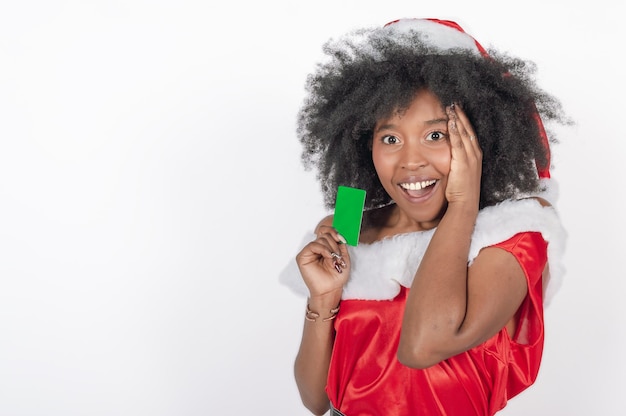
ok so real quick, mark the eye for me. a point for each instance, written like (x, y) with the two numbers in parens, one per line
(436, 136)
(389, 139)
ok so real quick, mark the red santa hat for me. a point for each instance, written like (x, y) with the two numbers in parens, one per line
(447, 35)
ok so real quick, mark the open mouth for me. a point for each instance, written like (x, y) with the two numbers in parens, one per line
(417, 189)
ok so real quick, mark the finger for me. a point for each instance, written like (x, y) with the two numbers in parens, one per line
(466, 130)
(336, 239)
(345, 255)
(457, 146)
(330, 240)
(339, 252)
(325, 229)
(314, 252)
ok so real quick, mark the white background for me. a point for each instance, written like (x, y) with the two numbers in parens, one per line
(151, 191)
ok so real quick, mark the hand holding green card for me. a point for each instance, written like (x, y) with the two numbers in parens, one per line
(349, 213)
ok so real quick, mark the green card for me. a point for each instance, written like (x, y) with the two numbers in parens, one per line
(349, 213)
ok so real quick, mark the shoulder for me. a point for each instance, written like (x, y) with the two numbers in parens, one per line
(327, 221)
(499, 223)
(542, 202)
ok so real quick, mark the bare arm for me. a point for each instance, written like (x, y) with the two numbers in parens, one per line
(313, 359)
(325, 278)
(452, 308)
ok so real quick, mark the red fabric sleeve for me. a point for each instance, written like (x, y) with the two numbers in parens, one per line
(365, 377)
(530, 250)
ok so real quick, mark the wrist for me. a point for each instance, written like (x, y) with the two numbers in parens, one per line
(323, 315)
(464, 206)
(325, 301)
(462, 211)
(323, 307)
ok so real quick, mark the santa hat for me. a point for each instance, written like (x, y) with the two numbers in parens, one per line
(446, 35)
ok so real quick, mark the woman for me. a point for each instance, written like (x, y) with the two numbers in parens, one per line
(439, 309)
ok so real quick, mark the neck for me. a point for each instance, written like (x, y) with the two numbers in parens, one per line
(389, 221)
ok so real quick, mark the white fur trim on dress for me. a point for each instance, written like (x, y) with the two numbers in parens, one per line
(380, 268)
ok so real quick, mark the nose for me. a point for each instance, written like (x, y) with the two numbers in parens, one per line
(413, 156)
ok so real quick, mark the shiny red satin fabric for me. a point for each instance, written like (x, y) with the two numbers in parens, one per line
(365, 377)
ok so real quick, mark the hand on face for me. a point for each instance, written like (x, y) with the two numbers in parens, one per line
(466, 166)
(325, 263)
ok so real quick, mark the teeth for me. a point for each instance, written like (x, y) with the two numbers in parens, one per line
(416, 186)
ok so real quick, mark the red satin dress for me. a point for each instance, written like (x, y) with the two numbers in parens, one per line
(365, 377)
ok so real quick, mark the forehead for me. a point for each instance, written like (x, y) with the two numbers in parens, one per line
(424, 104)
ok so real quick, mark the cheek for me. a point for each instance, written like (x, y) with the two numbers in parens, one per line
(382, 161)
(442, 160)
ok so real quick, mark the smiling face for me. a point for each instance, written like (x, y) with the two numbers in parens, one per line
(411, 154)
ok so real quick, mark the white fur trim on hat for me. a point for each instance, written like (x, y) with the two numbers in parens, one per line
(437, 35)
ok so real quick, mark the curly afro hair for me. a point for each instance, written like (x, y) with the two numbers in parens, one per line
(370, 75)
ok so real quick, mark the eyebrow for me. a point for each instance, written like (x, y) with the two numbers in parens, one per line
(427, 122)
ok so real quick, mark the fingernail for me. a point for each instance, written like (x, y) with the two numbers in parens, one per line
(338, 267)
(343, 240)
